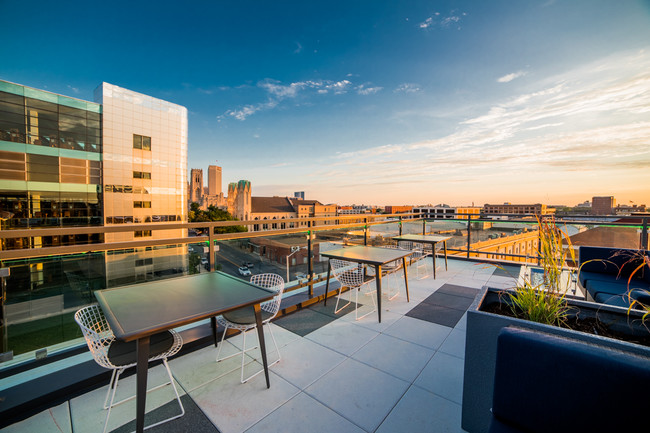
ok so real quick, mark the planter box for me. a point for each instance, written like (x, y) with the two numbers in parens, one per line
(480, 348)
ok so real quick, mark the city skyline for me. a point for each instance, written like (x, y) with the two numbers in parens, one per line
(425, 102)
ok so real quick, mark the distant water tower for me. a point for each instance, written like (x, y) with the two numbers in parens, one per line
(299, 194)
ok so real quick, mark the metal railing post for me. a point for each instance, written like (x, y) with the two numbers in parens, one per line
(469, 235)
(400, 226)
(424, 226)
(644, 234)
(211, 250)
(310, 263)
(365, 231)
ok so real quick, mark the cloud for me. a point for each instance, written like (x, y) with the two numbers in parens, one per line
(74, 89)
(407, 88)
(509, 77)
(437, 20)
(277, 92)
(365, 90)
(298, 48)
(595, 117)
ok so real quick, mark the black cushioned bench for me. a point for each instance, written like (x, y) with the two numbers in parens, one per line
(545, 383)
(604, 274)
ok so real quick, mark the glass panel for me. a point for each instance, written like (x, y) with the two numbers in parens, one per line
(13, 98)
(41, 105)
(7, 107)
(146, 143)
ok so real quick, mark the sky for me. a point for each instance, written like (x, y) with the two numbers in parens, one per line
(373, 102)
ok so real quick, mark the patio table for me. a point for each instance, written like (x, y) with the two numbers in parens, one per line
(136, 312)
(431, 240)
(373, 256)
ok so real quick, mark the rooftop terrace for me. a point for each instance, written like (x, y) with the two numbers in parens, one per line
(336, 374)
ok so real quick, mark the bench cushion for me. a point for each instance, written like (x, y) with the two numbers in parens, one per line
(544, 383)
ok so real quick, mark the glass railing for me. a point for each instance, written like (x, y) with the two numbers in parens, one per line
(48, 284)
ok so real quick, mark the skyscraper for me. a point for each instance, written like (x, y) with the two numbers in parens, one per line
(214, 180)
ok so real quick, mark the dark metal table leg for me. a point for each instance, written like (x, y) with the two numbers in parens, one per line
(444, 244)
(406, 280)
(433, 255)
(213, 324)
(378, 283)
(260, 336)
(327, 284)
(141, 382)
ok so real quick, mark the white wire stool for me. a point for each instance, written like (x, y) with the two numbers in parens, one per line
(352, 276)
(244, 319)
(118, 356)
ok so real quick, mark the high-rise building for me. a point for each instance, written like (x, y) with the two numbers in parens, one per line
(603, 205)
(196, 185)
(299, 194)
(145, 161)
(214, 180)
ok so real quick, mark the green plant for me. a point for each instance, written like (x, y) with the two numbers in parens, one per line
(635, 303)
(545, 302)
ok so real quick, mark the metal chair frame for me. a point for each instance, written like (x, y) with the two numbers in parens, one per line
(419, 253)
(99, 337)
(268, 281)
(352, 276)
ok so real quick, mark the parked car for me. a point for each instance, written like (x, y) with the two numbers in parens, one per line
(205, 264)
(248, 264)
(243, 271)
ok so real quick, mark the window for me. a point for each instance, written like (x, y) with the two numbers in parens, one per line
(142, 233)
(141, 175)
(141, 142)
(141, 204)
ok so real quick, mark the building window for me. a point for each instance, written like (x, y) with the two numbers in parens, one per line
(141, 175)
(141, 204)
(141, 142)
(142, 233)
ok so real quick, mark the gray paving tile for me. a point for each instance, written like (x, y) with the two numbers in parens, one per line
(360, 393)
(304, 322)
(87, 413)
(303, 413)
(454, 344)
(436, 314)
(304, 361)
(452, 289)
(443, 376)
(395, 356)
(421, 411)
(54, 420)
(343, 337)
(234, 407)
(420, 332)
(449, 301)
(193, 421)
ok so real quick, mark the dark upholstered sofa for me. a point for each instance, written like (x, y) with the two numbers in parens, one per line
(604, 274)
(546, 383)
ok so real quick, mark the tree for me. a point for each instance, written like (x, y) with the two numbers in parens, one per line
(197, 215)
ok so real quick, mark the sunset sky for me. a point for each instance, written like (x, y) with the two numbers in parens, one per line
(375, 102)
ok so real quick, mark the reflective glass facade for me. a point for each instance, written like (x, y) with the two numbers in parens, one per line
(50, 164)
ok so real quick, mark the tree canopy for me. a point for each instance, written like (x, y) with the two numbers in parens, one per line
(197, 215)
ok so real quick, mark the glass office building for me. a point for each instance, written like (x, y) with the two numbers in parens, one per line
(67, 162)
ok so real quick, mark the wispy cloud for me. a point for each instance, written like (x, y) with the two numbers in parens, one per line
(276, 92)
(74, 89)
(407, 88)
(365, 89)
(592, 118)
(298, 48)
(437, 20)
(512, 76)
